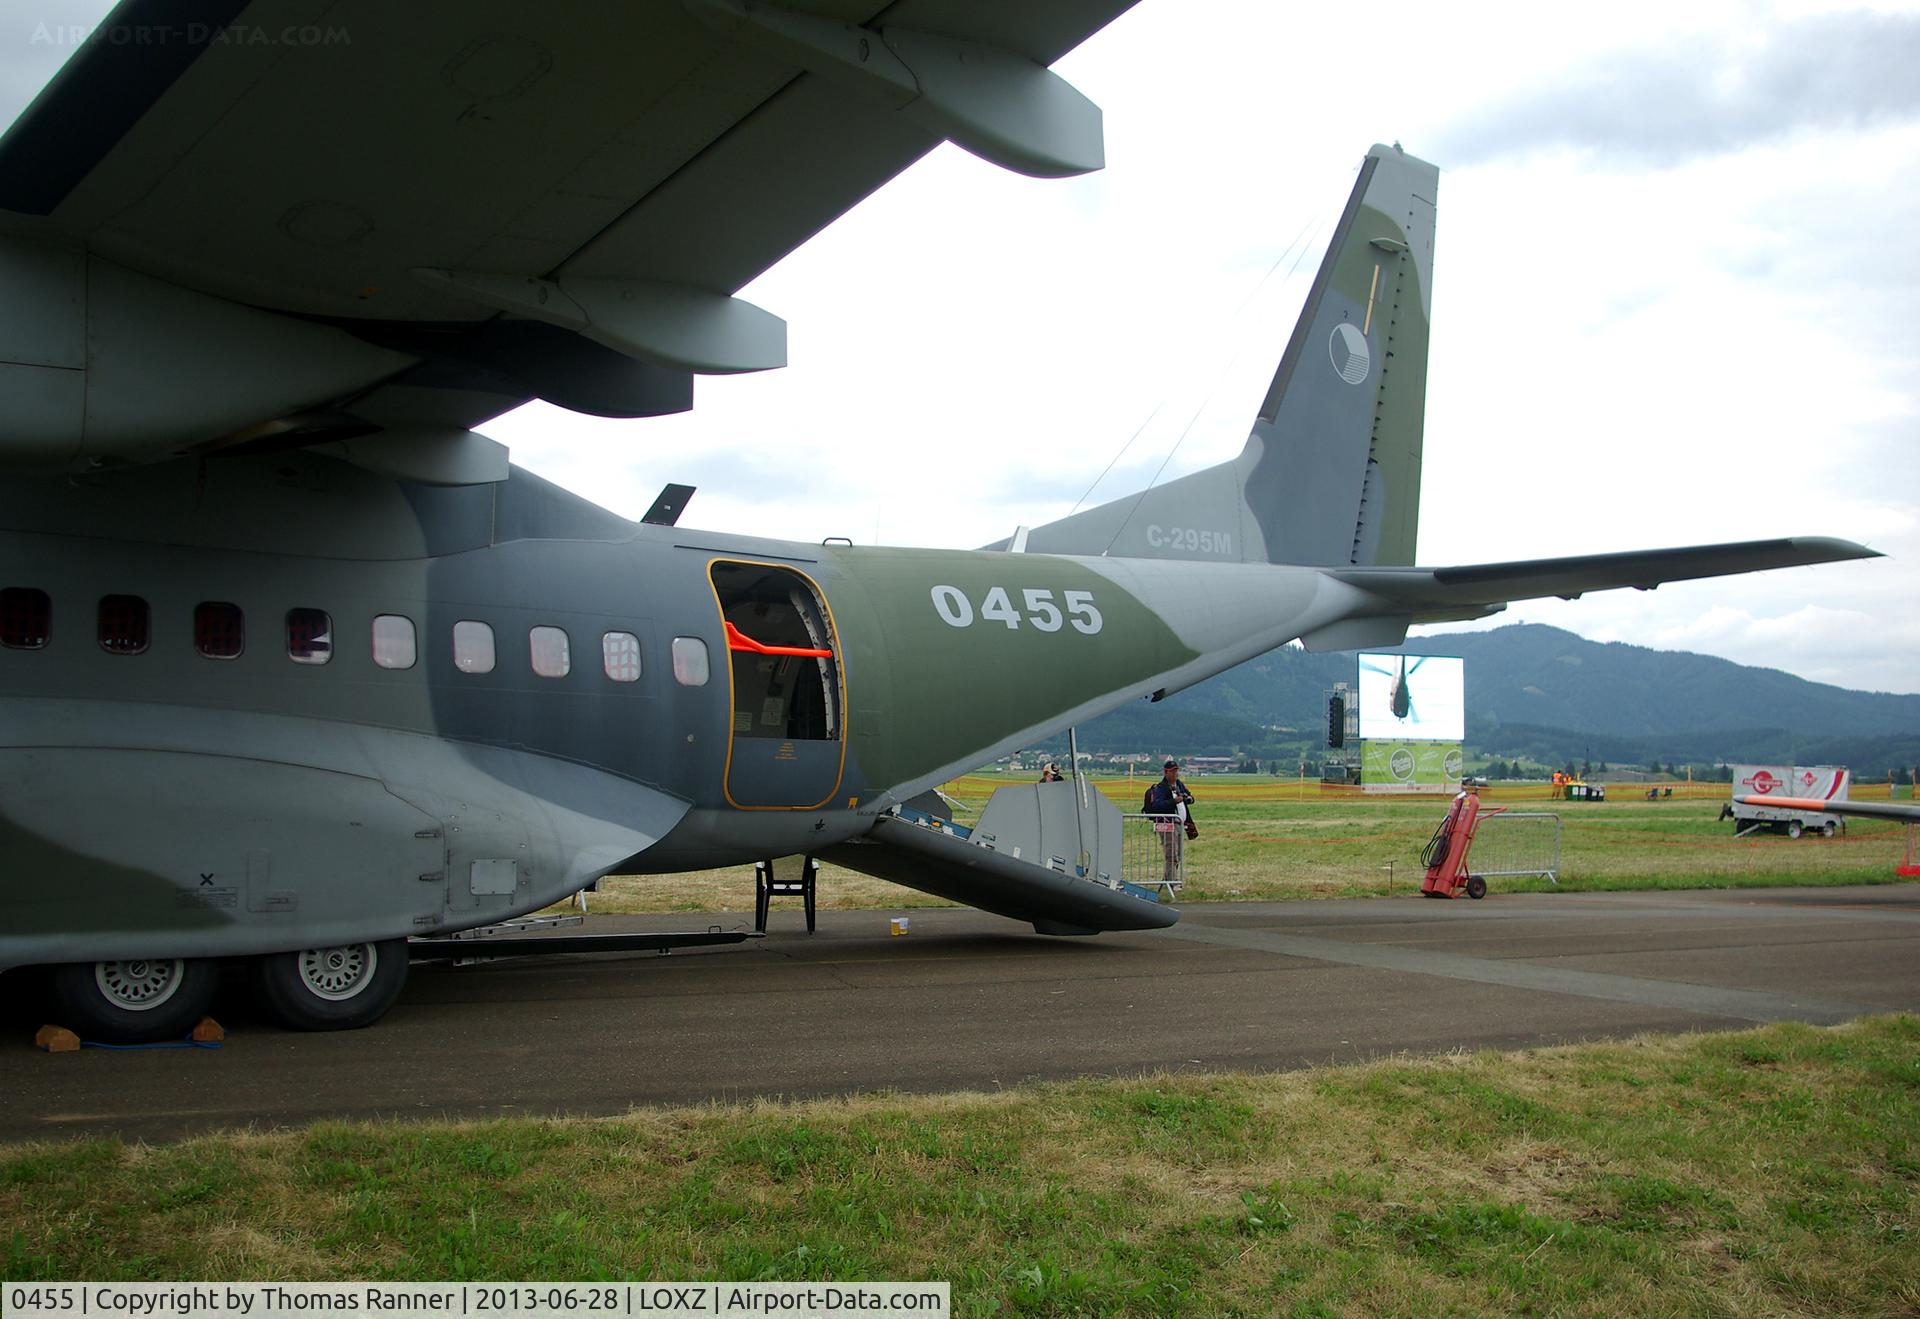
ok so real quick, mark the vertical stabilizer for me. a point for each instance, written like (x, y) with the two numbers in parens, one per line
(1331, 470)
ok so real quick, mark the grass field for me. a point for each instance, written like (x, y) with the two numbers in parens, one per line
(1264, 838)
(1772, 1171)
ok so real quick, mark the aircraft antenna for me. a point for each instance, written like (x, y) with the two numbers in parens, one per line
(1238, 311)
(1233, 360)
(1117, 457)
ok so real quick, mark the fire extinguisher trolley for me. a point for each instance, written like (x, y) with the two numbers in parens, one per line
(1446, 852)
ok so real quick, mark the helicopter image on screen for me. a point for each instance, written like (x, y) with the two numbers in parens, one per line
(1400, 698)
(1417, 696)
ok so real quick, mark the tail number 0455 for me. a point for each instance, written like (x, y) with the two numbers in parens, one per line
(1040, 611)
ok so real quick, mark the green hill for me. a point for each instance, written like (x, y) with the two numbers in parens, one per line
(1547, 695)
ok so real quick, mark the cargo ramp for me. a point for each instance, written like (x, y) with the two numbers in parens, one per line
(1046, 853)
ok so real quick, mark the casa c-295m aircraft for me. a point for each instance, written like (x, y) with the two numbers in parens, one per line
(295, 666)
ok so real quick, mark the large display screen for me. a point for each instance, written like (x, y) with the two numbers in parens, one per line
(1413, 697)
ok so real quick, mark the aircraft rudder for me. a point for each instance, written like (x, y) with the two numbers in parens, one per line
(1334, 470)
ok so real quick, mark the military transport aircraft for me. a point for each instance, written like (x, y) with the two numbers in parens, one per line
(295, 666)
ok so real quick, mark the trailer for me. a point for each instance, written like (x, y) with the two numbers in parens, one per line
(1756, 788)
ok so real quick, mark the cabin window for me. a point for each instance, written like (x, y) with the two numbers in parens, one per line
(219, 630)
(394, 643)
(124, 624)
(26, 618)
(472, 647)
(552, 656)
(309, 636)
(690, 661)
(620, 653)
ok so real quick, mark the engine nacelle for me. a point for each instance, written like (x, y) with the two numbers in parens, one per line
(99, 363)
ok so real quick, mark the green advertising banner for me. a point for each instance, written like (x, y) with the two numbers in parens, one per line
(1399, 766)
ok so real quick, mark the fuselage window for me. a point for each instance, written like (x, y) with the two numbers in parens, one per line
(620, 652)
(219, 630)
(690, 661)
(309, 636)
(552, 656)
(394, 644)
(26, 618)
(124, 624)
(472, 647)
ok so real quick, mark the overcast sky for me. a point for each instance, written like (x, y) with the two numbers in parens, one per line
(1675, 302)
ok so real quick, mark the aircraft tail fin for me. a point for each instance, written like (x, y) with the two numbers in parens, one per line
(1331, 470)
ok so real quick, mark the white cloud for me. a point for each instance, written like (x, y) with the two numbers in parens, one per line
(1691, 93)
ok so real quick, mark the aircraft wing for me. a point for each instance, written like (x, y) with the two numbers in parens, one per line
(463, 204)
(1438, 595)
(1882, 810)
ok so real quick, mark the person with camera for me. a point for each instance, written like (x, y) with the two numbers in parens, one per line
(1169, 802)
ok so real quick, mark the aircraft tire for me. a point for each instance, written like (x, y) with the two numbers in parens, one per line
(1476, 886)
(134, 1001)
(340, 988)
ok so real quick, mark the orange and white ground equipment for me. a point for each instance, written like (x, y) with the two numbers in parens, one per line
(1446, 853)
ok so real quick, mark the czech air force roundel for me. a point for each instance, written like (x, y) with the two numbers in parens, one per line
(1348, 348)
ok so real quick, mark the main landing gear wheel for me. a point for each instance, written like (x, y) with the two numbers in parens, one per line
(138, 1001)
(339, 988)
(1476, 886)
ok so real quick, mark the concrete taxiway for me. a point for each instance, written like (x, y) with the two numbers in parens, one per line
(969, 1001)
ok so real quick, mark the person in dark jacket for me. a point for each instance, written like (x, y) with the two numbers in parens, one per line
(1168, 799)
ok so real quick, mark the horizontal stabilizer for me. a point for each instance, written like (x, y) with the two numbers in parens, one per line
(949, 867)
(1432, 595)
